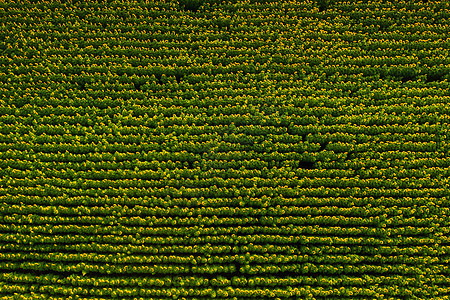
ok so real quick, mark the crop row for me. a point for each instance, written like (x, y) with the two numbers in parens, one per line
(372, 205)
(210, 249)
(224, 292)
(334, 212)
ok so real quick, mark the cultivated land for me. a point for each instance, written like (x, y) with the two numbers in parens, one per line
(227, 150)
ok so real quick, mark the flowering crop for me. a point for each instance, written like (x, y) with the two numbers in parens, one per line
(207, 149)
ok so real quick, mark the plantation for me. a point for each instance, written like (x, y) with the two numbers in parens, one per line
(208, 149)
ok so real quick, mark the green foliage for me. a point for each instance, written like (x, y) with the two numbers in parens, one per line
(323, 4)
(191, 5)
(253, 150)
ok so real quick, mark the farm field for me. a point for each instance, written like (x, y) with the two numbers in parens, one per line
(243, 149)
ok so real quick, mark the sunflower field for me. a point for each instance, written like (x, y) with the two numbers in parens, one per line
(212, 149)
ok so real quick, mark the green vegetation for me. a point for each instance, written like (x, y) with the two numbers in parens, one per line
(224, 150)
